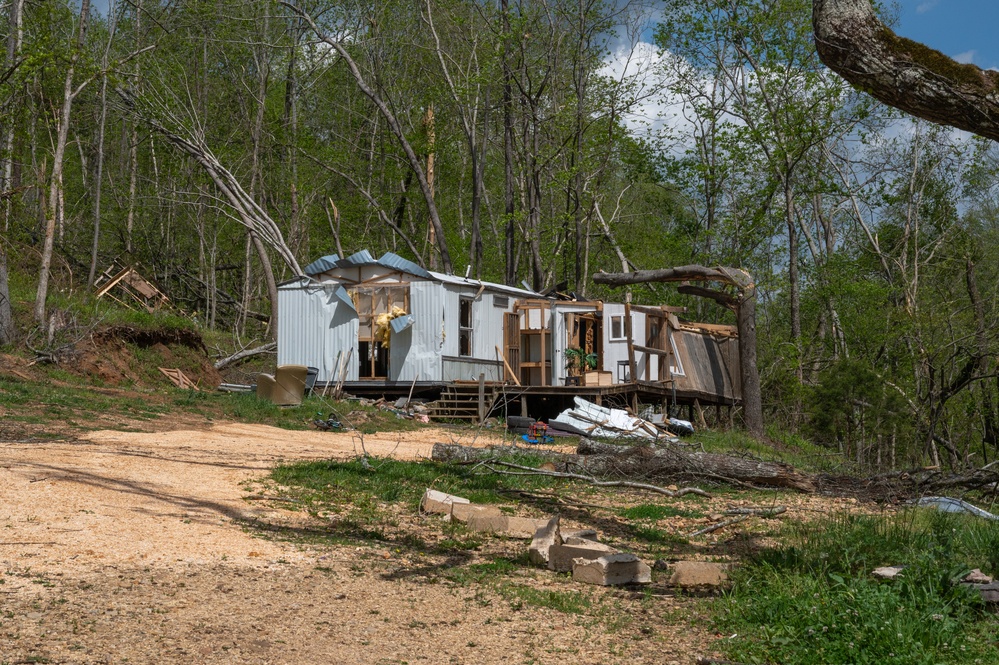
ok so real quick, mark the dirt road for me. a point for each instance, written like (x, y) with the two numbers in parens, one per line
(131, 547)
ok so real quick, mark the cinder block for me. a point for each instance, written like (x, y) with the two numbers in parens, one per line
(612, 569)
(544, 539)
(562, 555)
(514, 527)
(688, 574)
(439, 502)
(460, 512)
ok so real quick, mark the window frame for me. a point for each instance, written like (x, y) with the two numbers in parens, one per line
(623, 337)
(469, 330)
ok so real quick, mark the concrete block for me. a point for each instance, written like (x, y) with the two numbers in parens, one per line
(439, 502)
(612, 569)
(689, 574)
(460, 512)
(588, 534)
(544, 539)
(562, 555)
(514, 527)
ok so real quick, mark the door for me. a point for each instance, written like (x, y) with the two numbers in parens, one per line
(511, 342)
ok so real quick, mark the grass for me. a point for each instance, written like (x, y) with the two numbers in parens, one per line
(813, 599)
(352, 483)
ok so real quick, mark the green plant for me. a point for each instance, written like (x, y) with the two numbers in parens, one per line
(813, 599)
(578, 361)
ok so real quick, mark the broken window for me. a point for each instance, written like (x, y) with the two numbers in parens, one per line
(465, 327)
(676, 367)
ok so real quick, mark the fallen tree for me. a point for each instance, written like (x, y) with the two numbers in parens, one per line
(646, 463)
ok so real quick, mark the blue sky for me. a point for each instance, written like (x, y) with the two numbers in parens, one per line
(963, 29)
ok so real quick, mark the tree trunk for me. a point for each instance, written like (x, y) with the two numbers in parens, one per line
(510, 204)
(8, 332)
(855, 44)
(647, 464)
(55, 186)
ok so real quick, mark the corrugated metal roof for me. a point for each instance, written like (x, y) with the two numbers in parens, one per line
(390, 260)
(501, 288)
(361, 258)
(323, 264)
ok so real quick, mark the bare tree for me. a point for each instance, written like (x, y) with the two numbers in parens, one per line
(55, 184)
(397, 130)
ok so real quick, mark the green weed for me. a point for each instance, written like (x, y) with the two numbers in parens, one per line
(813, 599)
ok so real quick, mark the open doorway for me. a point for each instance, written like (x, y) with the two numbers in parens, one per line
(375, 305)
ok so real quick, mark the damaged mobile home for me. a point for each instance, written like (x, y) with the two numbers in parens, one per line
(388, 325)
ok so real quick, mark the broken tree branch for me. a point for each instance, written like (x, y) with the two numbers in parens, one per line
(532, 471)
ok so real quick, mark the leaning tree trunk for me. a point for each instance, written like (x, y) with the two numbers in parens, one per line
(855, 44)
(744, 306)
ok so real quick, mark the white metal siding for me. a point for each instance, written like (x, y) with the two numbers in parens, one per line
(617, 351)
(416, 352)
(313, 327)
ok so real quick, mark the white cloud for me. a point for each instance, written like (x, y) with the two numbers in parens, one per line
(965, 58)
(926, 6)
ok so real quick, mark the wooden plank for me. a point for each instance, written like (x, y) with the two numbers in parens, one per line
(482, 397)
(508, 368)
(650, 350)
(178, 378)
(631, 342)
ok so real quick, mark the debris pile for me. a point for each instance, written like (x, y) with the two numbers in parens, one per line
(576, 551)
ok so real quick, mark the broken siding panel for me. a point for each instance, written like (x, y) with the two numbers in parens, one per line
(313, 327)
(487, 320)
(415, 354)
(706, 365)
(449, 298)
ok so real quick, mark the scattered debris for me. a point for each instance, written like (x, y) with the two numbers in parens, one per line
(743, 515)
(698, 574)
(538, 433)
(600, 421)
(178, 378)
(612, 569)
(544, 539)
(286, 387)
(462, 512)
(887, 572)
(976, 576)
(132, 287)
(948, 505)
(331, 423)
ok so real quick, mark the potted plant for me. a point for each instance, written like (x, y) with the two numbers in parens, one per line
(578, 361)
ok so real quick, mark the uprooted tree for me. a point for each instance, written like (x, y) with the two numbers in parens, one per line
(742, 302)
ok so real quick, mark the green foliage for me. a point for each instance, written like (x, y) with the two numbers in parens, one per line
(812, 599)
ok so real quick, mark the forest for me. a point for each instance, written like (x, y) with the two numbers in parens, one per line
(220, 146)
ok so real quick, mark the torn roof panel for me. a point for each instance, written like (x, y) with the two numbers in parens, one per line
(502, 288)
(361, 258)
(323, 264)
(390, 260)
